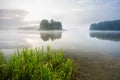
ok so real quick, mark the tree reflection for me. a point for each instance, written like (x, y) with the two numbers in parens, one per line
(50, 35)
(106, 35)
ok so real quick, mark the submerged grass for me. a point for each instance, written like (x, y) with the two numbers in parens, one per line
(94, 67)
(36, 64)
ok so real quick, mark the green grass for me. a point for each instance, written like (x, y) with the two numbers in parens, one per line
(36, 64)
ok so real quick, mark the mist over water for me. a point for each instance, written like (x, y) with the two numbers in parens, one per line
(75, 40)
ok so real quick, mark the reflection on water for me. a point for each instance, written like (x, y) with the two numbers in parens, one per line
(15, 40)
(78, 41)
(51, 35)
(106, 35)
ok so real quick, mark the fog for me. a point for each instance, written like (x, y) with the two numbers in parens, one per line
(72, 13)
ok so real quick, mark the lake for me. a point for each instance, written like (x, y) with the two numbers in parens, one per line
(77, 41)
(96, 54)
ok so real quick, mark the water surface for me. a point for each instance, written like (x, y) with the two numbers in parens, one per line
(78, 41)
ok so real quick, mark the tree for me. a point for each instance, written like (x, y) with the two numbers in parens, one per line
(52, 25)
(44, 24)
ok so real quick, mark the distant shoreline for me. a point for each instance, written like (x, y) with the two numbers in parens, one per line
(106, 26)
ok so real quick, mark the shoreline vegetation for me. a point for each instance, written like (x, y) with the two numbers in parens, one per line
(51, 64)
(106, 26)
(36, 64)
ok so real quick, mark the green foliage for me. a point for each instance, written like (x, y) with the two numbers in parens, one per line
(38, 64)
(3, 67)
(2, 59)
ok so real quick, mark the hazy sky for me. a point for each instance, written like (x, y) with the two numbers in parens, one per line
(70, 12)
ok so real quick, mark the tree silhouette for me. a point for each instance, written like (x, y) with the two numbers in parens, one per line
(52, 25)
(106, 25)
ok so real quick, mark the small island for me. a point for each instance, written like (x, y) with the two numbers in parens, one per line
(50, 25)
(106, 25)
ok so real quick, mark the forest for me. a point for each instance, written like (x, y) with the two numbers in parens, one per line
(106, 25)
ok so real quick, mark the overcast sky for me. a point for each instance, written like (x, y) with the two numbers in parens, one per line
(70, 12)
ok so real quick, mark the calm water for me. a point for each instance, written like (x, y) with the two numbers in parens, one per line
(77, 41)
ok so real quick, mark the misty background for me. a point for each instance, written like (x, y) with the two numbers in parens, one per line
(72, 13)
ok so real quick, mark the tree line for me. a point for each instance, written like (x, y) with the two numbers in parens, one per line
(106, 25)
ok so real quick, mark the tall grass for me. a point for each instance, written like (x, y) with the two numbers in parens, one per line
(3, 67)
(36, 64)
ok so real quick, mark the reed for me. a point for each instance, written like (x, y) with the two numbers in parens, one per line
(36, 64)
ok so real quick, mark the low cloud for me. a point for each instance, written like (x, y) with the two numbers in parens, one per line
(10, 18)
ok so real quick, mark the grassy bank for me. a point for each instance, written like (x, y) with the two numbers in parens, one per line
(36, 64)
